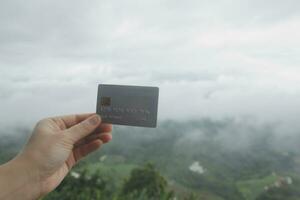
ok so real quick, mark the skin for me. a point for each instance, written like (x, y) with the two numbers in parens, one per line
(54, 147)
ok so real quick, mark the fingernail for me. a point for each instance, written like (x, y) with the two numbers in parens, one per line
(94, 120)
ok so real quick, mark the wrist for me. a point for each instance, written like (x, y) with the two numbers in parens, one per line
(21, 180)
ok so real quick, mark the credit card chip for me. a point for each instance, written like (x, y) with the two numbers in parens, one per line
(105, 101)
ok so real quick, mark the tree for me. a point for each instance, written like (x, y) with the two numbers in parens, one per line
(85, 187)
(147, 182)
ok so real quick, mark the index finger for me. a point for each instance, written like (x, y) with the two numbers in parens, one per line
(71, 120)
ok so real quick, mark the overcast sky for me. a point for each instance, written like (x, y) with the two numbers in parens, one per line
(213, 58)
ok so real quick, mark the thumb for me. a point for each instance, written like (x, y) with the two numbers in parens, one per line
(83, 128)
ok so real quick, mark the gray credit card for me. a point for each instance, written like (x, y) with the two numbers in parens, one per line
(128, 105)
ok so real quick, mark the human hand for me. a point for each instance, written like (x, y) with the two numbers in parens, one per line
(56, 145)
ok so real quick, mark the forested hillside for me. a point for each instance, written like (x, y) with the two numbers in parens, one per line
(203, 159)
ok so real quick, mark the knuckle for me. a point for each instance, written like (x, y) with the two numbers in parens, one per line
(41, 122)
(59, 122)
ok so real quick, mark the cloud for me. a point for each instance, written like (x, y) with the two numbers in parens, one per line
(280, 35)
(210, 58)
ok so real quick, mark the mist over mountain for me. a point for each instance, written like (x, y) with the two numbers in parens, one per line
(222, 157)
(189, 138)
(227, 135)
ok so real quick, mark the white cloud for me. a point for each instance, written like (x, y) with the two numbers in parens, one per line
(283, 34)
(210, 58)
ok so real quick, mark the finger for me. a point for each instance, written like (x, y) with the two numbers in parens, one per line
(105, 138)
(83, 129)
(84, 150)
(91, 137)
(106, 128)
(71, 120)
(103, 128)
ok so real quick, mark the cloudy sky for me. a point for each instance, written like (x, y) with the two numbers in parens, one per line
(213, 58)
